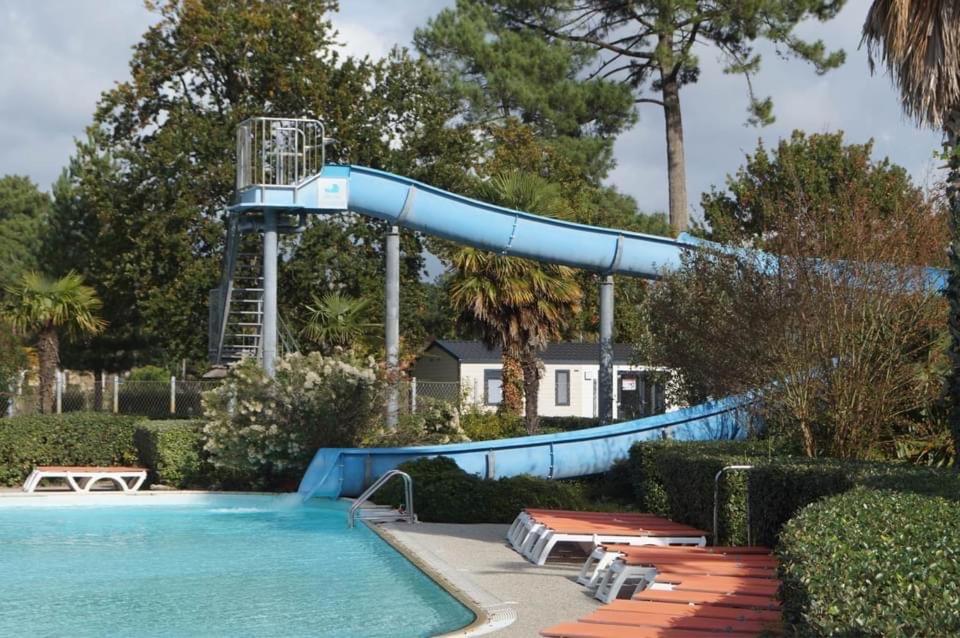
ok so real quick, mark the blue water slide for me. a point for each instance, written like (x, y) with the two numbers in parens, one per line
(338, 472)
(416, 206)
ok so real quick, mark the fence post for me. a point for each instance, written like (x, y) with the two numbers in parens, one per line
(59, 391)
(116, 394)
(413, 395)
(173, 395)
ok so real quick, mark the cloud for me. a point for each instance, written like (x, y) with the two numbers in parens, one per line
(60, 55)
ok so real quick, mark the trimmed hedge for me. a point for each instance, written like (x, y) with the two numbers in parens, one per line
(446, 494)
(173, 450)
(79, 438)
(873, 563)
(677, 480)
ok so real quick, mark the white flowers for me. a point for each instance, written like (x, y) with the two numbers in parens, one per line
(260, 428)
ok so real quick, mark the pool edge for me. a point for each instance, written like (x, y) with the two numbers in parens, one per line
(490, 616)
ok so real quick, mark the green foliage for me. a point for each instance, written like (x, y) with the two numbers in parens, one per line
(149, 373)
(824, 173)
(481, 425)
(677, 479)
(80, 438)
(262, 431)
(873, 563)
(435, 422)
(567, 423)
(447, 494)
(23, 216)
(496, 72)
(173, 451)
(13, 359)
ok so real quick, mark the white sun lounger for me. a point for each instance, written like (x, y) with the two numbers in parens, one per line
(81, 479)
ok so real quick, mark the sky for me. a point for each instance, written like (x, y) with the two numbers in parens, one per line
(59, 55)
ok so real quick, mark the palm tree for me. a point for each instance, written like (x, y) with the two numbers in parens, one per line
(334, 320)
(517, 304)
(919, 43)
(41, 307)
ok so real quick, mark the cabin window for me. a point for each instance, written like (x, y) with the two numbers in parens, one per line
(492, 386)
(562, 387)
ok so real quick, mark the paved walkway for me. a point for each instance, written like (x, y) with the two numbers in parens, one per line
(477, 560)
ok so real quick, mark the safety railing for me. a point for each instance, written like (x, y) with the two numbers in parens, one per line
(273, 151)
(716, 500)
(407, 512)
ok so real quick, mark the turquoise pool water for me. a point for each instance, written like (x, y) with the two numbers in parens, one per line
(229, 566)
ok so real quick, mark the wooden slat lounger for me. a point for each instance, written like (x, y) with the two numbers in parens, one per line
(82, 479)
(535, 534)
(594, 630)
(603, 556)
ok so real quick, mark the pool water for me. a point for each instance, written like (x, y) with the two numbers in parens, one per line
(226, 566)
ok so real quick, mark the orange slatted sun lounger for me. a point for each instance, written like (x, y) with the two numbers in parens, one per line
(595, 630)
(677, 621)
(534, 533)
(704, 610)
(750, 586)
(697, 597)
(82, 479)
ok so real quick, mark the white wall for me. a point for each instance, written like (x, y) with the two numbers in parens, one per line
(583, 381)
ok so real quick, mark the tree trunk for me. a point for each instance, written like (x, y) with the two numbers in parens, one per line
(952, 130)
(531, 391)
(48, 353)
(98, 389)
(676, 167)
(512, 384)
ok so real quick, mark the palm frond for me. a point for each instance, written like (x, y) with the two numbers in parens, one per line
(919, 43)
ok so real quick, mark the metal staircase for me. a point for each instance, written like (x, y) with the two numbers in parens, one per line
(236, 306)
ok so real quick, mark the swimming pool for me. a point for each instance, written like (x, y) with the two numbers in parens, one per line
(226, 565)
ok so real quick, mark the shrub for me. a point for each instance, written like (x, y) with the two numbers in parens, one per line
(173, 450)
(79, 438)
(873, 563)
(149, 373)
(435, 422)
(479, 425)
(676, 480)
(263, 432)
(567, 423)
(446, 494)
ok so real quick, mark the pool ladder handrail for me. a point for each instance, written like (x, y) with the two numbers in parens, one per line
(407, 513)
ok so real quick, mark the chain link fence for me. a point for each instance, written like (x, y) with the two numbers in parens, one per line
(173, 399)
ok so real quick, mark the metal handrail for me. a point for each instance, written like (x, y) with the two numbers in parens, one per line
(226, 282)
(408, 496)
(716, 500)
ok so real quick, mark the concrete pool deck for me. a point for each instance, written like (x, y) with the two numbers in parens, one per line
(476, 562)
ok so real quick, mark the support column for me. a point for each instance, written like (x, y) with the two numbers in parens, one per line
(605, 378)
(268, 335)
(392, 326)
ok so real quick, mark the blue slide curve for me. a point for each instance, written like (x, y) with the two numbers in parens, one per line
(417, 206)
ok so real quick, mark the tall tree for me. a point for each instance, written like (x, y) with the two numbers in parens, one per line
(819, 172)
(498, 73)
(169, 131)
(649, 46)
(917, 40)
(41, 308)
(517, 304)
(23, 215)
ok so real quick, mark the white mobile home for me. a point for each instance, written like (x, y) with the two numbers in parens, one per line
(568, 386)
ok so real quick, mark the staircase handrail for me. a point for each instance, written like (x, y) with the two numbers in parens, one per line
(226, 280)
(408, 496)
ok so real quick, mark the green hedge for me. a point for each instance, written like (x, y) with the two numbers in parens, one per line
(173, 450)
(443, 493)
(676, 480)
(873, 563)
(79, 438)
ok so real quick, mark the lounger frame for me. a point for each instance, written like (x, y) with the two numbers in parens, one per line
(83, 479)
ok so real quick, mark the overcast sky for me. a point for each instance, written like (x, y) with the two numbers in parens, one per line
(59, 55)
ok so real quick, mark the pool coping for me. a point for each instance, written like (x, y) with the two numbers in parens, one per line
(490, 613)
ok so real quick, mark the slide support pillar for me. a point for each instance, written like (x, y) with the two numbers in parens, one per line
(605, 377)
(392, 326)
(268, 337)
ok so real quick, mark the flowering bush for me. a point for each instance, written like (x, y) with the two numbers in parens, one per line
(262, 431)
(435, 422)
